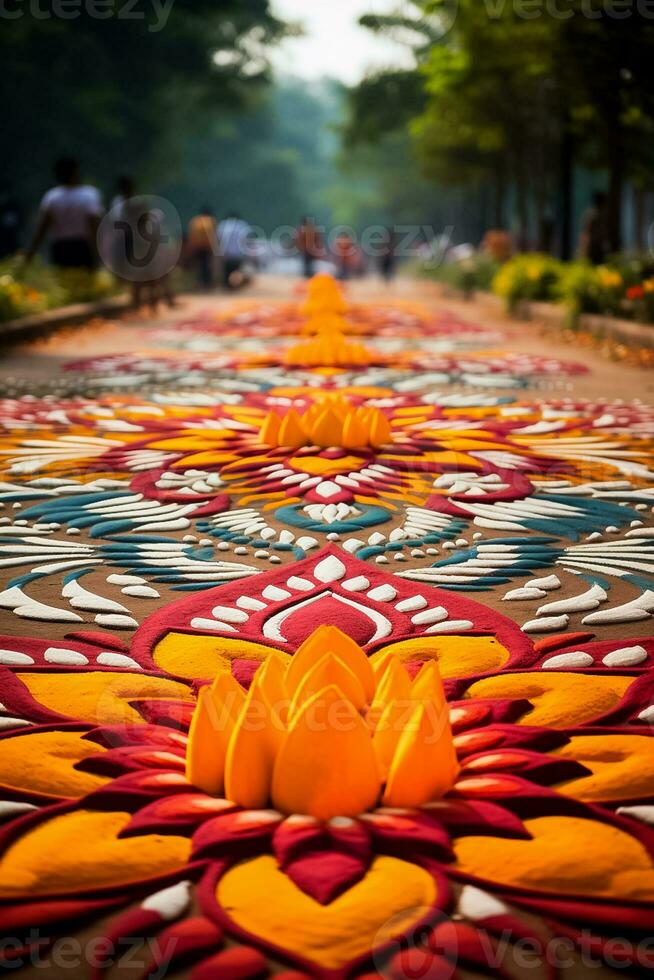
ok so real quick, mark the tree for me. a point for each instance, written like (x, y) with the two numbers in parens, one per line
(516, 96)
(118, 94)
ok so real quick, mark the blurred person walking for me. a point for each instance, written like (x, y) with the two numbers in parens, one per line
(388, 256)
(201, 246)
(233, 234)
(309, 244)
(159, 284)
(11, 222)
(69, 215)
(594, 244)
(346, 256)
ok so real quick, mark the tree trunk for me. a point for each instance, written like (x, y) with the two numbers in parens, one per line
(566, 178)
(523, 212)
(639, 218)
(499, 196)
(615, 159)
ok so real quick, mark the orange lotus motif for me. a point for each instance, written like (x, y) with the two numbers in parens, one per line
(329, 422)
(328, 859)
(326, 735)
(324, 295)
(329, 350)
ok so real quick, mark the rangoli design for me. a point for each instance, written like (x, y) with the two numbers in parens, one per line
(329, 669)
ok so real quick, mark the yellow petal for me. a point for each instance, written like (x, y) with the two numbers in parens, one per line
(208, 739)
(251, 752)
(326, 766)
(565, 855)
(327, 429)
(379, 666)
(291, 431)
(388, 902)
(558, 699)
(387, 734)
(424, 766)
(270, 678)
(621, 767)
(78, 851)
(427, 685)
(394, 686)
(204, 657)
(46, 762)
(380, 430)
(228, 695)
(395, 682)
(329, 670)
(330, 639)
(269, 434)
(101, 697)
(354, 433)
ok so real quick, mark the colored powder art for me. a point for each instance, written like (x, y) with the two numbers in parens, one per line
(326, 654)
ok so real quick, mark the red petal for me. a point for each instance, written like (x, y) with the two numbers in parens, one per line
(324, 875)
(237, 963)
(244, 831)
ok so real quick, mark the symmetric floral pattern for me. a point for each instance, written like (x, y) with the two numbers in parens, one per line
(551, 754)
(309, 504)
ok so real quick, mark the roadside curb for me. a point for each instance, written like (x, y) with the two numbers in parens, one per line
(12, 331)
(555, 315)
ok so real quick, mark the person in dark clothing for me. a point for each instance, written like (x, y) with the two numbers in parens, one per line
(310, 246)
(11, 221)
(594, 244)
(202, 246)
(387, 256)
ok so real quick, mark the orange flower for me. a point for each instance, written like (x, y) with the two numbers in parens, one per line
(326, 736)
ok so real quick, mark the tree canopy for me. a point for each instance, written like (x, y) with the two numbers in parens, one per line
(510, 96)
(119, 94)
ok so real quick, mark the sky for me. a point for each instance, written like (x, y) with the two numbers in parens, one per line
(334, 44)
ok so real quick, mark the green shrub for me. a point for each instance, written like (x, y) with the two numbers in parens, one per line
(593, 289)
(37, 287)
(465, 275)
(529, 277)
(17, 299)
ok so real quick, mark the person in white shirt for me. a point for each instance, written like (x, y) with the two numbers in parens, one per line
(69, 215)
(233, 235)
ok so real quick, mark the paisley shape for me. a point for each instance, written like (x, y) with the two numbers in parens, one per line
(81, 850)
(264, 902)
(610, 864)
(46, 763)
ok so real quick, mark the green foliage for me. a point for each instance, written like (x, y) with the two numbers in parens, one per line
(623, 288)
(384, 102)
(120, 95)
(529, 277)
(39, 287)
(467, 275)
(17, 299)
(507, 85)
(272, 164)
(593, 289)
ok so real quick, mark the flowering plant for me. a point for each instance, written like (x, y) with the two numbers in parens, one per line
(527, 277)
(17, 299)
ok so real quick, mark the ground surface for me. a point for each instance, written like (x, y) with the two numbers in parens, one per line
(163, 520)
